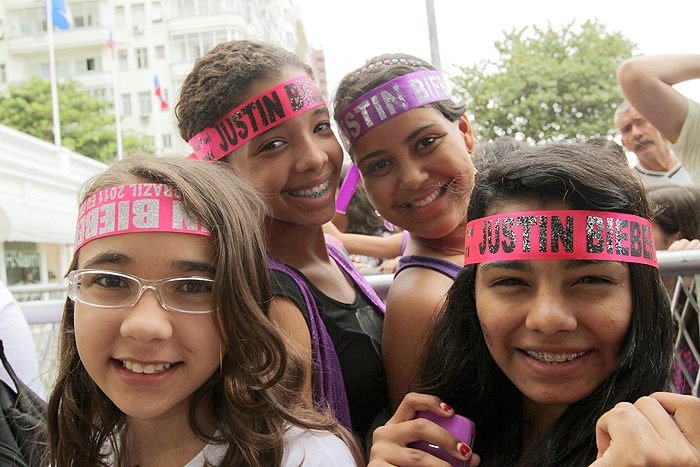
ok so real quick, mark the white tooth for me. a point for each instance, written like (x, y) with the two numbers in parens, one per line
(137, 368)
(128, 365)
(159, 367)
(167, 365)
(149, 369)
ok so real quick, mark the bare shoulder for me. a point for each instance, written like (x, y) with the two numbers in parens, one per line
(418, 288)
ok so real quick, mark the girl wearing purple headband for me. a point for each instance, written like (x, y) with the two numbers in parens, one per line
(167, 354)
(552, 358)
(412, 145)
(255, 108)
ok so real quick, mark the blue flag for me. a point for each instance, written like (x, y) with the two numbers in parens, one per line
(61, 14)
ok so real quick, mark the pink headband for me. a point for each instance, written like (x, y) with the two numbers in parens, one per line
(590, 235)
(140, 207)
(257, 115)
(389, 100)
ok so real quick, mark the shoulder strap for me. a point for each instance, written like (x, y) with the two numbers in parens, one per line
(448, 268)
(329, 388)
(356, 277)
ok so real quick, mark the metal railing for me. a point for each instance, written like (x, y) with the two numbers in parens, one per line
(42, 305)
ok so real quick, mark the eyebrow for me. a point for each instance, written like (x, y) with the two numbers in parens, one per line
(108, 258)
(408, 138)
(524, 265)
(193, 266)
(321, 109)
(517, 265)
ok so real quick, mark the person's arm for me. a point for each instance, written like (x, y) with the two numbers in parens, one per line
(647, 83)
(291, 322)
(367, 245)
(660, 430)
(414, 299)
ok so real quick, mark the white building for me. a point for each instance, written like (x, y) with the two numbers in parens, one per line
(152, 37)
(38, 206)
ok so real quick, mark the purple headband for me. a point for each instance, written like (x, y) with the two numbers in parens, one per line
(389, 100)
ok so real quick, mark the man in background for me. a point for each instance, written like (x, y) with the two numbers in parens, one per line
(656, 112)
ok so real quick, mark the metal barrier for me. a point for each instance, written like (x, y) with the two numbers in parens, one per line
(44, 315)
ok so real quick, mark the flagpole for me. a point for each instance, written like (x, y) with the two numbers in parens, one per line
(117, 110)
(52, 67)
(156, 122)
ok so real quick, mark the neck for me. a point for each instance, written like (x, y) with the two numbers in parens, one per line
(539, 418)
(449, 246)
(295, 245)
(660, 161)
(166, 441)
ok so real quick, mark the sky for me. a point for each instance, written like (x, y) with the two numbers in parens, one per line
(351, 31)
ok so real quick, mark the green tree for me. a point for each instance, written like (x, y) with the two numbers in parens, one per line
(547, 84)
(86, 125)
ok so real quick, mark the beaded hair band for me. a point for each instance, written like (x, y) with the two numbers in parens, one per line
(393, 61)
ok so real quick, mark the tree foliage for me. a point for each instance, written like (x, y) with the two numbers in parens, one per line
(547, 84)
(86, 125)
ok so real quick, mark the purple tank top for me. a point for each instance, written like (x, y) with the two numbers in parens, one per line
(442, 266)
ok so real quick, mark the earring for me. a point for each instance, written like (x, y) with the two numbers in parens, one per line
(388, 225)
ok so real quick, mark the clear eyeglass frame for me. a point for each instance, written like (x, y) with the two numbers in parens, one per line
(160, 287)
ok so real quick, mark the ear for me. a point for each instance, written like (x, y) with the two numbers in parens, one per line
(466, 128)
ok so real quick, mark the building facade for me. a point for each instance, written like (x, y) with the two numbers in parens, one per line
(150, 37)
(38, 207)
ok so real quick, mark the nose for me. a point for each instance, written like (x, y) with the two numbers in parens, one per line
(550, 313)
(311, 155)
(412, 175)
(147, 320)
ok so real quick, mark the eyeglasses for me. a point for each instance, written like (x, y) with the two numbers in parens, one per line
(112, 289)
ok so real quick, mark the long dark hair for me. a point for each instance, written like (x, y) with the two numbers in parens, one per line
(255, 395)
(457, 365)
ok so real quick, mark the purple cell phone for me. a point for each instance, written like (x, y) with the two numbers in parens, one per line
(461, 427)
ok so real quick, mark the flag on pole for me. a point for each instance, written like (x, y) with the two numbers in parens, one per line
(159, 92)
(110, 43)
(61, 15)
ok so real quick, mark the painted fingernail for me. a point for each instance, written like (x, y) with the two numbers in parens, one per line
(445, 407)
(463, 449)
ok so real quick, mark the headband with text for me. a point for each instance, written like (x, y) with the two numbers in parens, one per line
(389, 100)
(257, 115)
(139, 207)
(589, 235)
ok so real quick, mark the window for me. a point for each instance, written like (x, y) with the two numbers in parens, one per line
(123, 60)
(167, 141)
(142, 58)
(84, 13)
(160, 51)
(126, 105)
(90, 64)
(145, 103)
(156, 11)
(3, 74)
(138, 15)
(119, 17)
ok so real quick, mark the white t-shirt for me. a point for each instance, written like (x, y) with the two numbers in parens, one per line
(678, 175)
(308, 448)
(18, 343)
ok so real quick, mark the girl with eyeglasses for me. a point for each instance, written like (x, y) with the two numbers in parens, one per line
(167, 355)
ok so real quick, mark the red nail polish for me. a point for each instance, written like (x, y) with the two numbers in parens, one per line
(463, 449)
(446, 407)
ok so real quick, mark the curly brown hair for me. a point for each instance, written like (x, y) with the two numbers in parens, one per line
(220, 80)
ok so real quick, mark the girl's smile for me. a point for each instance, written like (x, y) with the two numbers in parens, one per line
(146, 359)
(554, 327)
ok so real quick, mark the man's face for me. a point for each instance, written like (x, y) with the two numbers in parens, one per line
(640, 136)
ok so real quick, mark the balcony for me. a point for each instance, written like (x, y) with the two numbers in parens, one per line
(87, 37)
